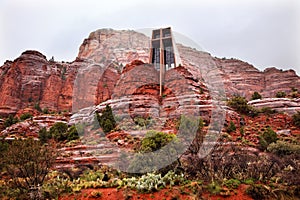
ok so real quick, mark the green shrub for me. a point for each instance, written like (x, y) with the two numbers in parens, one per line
(142, 122)
(3, 147)
(106, 120)
(256, 95)
(55, 185)
(240, 104)
(282, 148)
(267, 137)
(231, 127)
(10, 121)
(58, 131)
(293, 89)
(249, 181)
(37, 107)
(107, 126)
(27, 163)
(72, 133)
(155, 140)
(187, 123)
(214, 188)
(90, 175)
(232, 183)
(242, 131)
(191, 130)
(201, 124)
(151, 154)
(45, 111)
(280, 94)
(44, 135)
(25, 116)
(296, 119)
(294, 92)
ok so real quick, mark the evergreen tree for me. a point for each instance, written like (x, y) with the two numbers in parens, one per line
(256, 95)
(106, 120)
(10, 121)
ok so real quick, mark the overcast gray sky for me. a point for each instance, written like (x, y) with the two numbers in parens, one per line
(262, 32)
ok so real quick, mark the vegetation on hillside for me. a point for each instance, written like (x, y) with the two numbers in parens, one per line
(268, 167)
(296, 119)
(27, 163)
(106, 120)
(256, 95)
(240, 104)
(280, 94)
(59, 132)
(10, 121)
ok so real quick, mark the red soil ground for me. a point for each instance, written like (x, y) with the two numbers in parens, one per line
(175, 193)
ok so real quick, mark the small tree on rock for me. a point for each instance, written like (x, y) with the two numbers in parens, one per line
(106, 120)
(240, 104)
(231, 128)
(256, 95)
(280, 94)
(58, 131)
(267, 137)
(10, 121)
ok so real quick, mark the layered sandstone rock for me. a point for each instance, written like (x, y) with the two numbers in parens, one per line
(32, 80)
(31, 127)
(97, 76)
(277, 80)
(241, 78)
(290, 106)
(136, 94)
(106, 46)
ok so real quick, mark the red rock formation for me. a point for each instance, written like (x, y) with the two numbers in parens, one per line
(31, 127)
(107, 83)
(31, 111)
(244, 79)
(106, 46)
(32, 79)
(279, 80)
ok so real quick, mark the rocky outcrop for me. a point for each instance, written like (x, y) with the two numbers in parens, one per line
(31, 127)
(241, 78)
(32, 80)
(97, 76)
(277, 80)
(136, 94)
(106, 46)
(290, 106)
(107, 83)
(112, 69)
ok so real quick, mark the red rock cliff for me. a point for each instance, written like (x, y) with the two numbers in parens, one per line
(32, 79)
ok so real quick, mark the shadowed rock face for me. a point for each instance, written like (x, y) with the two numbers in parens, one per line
(32, 79)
